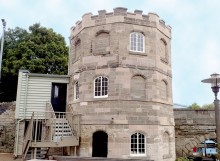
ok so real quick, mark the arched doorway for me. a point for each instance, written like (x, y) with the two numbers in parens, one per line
(99, 144)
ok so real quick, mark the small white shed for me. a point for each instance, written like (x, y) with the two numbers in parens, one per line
(35, 90)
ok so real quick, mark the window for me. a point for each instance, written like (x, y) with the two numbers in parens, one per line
(138, 144)
(137, 42)
(101, 87)
(56, 91)
(76, 90)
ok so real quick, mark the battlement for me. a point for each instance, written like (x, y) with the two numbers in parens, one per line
(120, 14)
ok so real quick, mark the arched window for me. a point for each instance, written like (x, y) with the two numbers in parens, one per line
(76, 90)
(164, 90)
(137, 42)
(138, 146)
(137, 86)
(166, 144)
(101, 87)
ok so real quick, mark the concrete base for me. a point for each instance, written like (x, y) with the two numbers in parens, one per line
(74, 158)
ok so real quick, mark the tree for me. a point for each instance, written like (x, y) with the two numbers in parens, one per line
(194, 106)
(39, 50)
(208, 106)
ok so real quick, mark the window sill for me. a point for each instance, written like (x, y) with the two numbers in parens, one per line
(101, 96)
(137, 155)
(76, 100)
(137, 53)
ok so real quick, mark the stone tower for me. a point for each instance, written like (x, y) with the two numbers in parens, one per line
(121, 83)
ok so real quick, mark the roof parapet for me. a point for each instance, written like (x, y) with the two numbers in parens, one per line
(120, 14)
(120, 11)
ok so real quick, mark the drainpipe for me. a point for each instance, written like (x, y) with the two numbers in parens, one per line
(17, 131)
(24, 116)
(26, 89)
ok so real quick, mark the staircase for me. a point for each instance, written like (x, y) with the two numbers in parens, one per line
(62, 129)
(41, 153)
(50, 129)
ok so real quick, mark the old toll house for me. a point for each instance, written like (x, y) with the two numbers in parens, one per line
(116, 101)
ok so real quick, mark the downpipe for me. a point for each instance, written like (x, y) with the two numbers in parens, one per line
(17, 132)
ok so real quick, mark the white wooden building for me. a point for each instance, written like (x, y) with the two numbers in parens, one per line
(42, 118)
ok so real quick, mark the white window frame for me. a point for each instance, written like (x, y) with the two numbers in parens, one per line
(138, 145)
(135, 44)
(76, 90)
(101, 87)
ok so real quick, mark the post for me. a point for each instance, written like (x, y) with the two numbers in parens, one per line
(2, 46)
(217, 121)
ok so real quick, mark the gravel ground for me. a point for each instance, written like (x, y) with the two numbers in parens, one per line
(8, 157)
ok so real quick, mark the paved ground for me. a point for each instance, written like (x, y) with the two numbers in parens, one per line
(8, 157)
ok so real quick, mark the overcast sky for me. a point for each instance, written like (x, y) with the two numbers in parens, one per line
(195, 33)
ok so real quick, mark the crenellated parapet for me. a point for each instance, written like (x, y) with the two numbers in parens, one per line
(120, 14)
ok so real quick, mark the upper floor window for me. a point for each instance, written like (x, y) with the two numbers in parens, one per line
(76, 90)
(138, 147)
(101, 87)
(137, 42)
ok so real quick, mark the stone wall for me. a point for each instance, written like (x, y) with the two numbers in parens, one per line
(7, 127)
(191, 128)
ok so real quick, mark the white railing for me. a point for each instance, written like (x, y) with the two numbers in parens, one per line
(50, 126)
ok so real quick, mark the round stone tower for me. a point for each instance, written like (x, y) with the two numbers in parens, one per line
(121, 83)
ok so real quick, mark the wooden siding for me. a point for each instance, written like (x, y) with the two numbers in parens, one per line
(34, 91)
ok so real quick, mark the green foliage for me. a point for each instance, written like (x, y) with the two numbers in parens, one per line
(195, 106)
(183, 159)
(39, 50)
(208, 106)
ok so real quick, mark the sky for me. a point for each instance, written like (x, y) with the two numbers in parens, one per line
(195, 26)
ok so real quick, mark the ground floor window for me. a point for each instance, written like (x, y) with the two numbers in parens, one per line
(138, 146)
